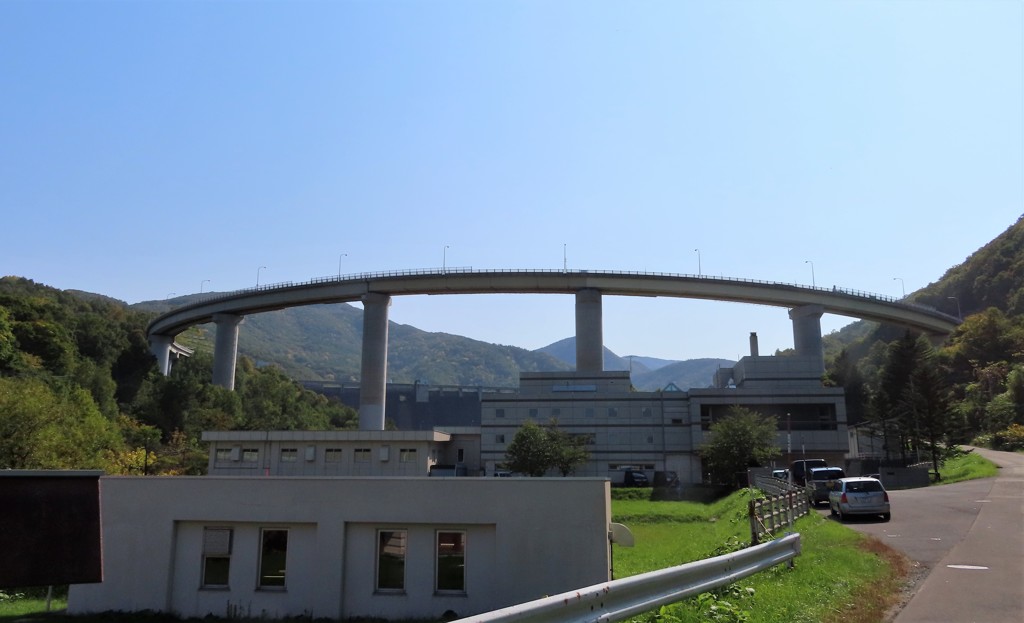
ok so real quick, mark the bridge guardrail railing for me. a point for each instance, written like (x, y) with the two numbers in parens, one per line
(470, 270)
(621, 599)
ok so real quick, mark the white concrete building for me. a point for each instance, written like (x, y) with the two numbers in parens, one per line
(392, 548)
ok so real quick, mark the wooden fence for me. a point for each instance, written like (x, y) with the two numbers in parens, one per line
(771, 514)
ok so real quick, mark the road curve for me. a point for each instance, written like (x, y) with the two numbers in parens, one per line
(351, 288)
(969, 538)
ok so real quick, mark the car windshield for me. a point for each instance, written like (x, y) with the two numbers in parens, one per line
(863, 486)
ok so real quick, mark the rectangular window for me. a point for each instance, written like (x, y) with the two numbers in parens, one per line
(533, 413)
(451, 562)
(223, 454)
(391, 560)
(216, 557)
(499, 439)
(462, 456)
(555, 412)
(361, 455)
(588, 412)
(647, 412)
(250, 455)
(613, 412)
(499, 413)
(332, 455)
(407, 455)
(273, 557)
(289, 455)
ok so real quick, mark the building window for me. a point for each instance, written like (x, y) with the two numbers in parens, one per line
(499, 413)
(289, 455)
(499, 439)
(588, 412)
(407, 455)
(533, 413)
(223, 454)
(451, 562)
(647, 412)
(361, 455)
(332, 455)
(555, 412)
(273, 557)
(462, 456)
(216, 557)
(677, 420)
(391, 560)
(613, 412)
(250, 455)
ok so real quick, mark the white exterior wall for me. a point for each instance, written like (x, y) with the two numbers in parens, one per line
(526, 538)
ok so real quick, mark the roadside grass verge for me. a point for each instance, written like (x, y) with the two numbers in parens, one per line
(840, 575)
(966, 466)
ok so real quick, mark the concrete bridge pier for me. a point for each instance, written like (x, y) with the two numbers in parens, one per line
(225, 349)
(807, 332)
(160, 346)
(374, 366)
(589, 331)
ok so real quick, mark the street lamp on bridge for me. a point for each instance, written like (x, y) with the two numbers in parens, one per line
(812, 272)
(902, 287)
(258, 275)
(698, 261)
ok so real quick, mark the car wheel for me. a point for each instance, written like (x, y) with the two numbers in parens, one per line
(831, 509)
(886, 516)
(839, 512)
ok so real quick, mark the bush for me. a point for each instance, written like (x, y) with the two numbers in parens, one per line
(1010, 439)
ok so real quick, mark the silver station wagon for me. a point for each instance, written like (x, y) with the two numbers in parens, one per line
(859, 496)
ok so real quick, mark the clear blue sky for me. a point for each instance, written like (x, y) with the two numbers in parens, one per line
(146, 147)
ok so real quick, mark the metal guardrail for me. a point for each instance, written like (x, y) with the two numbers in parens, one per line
(621, 599)
(435, 272)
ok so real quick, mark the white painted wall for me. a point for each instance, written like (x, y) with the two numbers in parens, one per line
(526, 538)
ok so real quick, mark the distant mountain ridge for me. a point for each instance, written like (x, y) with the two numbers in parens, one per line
(323, 343)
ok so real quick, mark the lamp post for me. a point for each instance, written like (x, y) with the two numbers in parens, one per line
(339, 263)
(258, 275)
(202, 283)
(444, 259)
(902, 287)
(958, 313)
(698, 262)
(813, 285)
(565, 260)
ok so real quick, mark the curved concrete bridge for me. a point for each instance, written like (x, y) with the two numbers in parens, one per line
(374, 290)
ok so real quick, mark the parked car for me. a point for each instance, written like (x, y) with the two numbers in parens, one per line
(798, 470)
(781, 474)
(859, 496)
(820, 482)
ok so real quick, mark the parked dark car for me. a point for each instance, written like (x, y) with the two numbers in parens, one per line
(859, 496)
(798, 470)
(821, 481)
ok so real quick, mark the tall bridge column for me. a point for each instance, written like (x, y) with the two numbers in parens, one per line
(225, 349)
(589, 331)
(160, 346)
(374, 368)
(807, 332)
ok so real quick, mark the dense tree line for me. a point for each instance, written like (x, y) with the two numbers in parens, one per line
(79, 389)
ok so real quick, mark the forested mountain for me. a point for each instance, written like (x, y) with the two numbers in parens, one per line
(970, 386)
(79, 389)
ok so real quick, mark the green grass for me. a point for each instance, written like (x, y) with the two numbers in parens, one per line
(966, 467)
(837, 568)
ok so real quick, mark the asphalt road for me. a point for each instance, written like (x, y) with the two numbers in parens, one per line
(968, 538)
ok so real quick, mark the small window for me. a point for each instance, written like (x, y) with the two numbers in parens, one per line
(391, 560)
(407, 455)
(216, 557)
(451, 562)
(499, 439)
(461, 456)
(647, 412)
(613, 412)
(499, 413)
(677, 420)
(361, 455)
(332, 455)
(223, 455)
(555, 412)
(250, 455)
(533, 413)
(588, 412)
(289, 455)
(273, 558)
